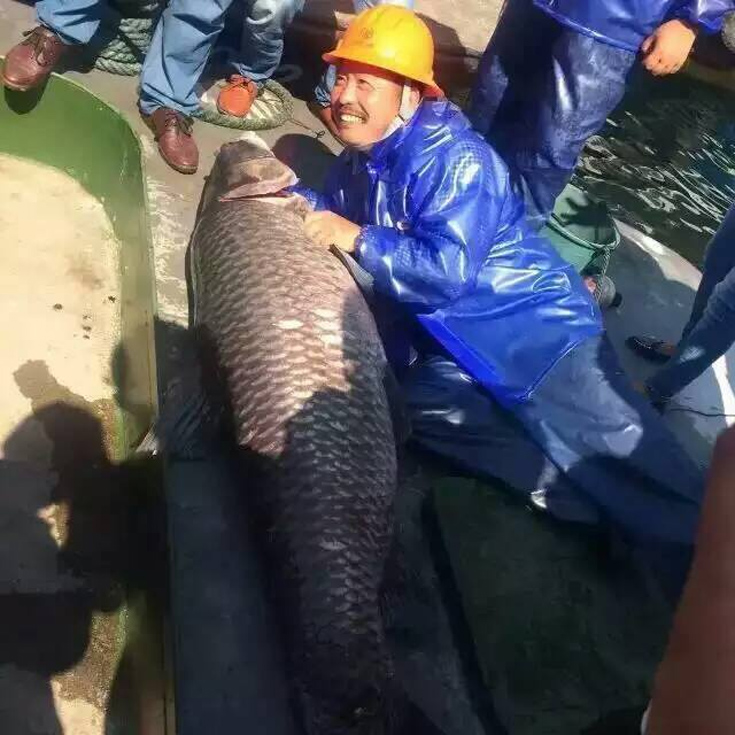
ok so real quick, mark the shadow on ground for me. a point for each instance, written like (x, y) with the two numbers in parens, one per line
(81, 543)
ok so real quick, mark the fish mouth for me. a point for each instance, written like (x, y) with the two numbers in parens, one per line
(256, 178)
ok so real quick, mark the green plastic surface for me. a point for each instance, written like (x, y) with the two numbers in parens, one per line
(69, 128)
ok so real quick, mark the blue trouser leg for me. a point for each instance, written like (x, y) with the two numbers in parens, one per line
(586, 443)
(264, 27)
(508, 64)
(452, 417)
(614, 446)
(537, 102)
(75, 21)
(180, 47)
(323, 90)
(185, 36)
(710, 331)
(719, 261)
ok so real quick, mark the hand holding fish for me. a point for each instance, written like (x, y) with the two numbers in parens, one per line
(328, 228)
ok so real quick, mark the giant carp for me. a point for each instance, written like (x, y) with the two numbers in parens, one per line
(288, 346)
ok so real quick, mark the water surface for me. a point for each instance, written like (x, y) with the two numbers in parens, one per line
(665, 160)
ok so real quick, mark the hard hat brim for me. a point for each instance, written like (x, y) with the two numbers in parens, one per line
(431, 88)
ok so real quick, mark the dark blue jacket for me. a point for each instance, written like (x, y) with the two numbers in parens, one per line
(444, 235)
(626, 23)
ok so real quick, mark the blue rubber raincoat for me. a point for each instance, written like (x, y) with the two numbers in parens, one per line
(445, 236)
(626, 23)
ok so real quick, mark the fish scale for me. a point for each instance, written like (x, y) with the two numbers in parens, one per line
(297, 354)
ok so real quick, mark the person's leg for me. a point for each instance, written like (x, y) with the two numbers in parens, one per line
(614, 447)
(561, 106)
(518, 48)
(63, 23)
(323, 90)
(453, 418)
(262, 38)
(74, 21)
(718, 262)
(711, 337)
(181, 44)
(180, 47)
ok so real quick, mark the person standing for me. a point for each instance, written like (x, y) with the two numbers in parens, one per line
(555, 69)
(181, 44)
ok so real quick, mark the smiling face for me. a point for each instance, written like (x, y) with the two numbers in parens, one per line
(365, 101)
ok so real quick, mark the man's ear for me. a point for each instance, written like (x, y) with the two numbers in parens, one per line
(415, 95)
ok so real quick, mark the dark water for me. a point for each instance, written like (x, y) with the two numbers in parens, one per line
(665, 161)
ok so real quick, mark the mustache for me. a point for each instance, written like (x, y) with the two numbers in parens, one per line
(349, 110)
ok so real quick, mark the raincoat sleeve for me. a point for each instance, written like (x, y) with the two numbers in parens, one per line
(455, 207)
(707, 14)
(311, 195)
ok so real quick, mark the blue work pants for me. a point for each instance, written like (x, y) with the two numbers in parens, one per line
(542, 90)
(585, 447)
(710, 332)
(182, 42)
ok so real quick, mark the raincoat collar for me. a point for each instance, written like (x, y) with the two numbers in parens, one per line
(433, 122)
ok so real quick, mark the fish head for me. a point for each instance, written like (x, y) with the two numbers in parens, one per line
(245, 169)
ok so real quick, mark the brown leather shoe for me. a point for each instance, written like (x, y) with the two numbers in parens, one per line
(30, 63)
(172, 130)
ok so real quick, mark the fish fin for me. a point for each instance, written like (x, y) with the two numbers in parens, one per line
(188, 426)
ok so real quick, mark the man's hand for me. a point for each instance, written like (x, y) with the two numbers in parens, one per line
(328, 228)
(668, 47)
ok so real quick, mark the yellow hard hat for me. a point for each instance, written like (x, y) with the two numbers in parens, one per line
(391, 38)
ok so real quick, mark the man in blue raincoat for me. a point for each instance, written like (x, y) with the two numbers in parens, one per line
(505, 369)
(555, 69)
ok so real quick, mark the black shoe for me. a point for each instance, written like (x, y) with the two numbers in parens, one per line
(649, 348)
